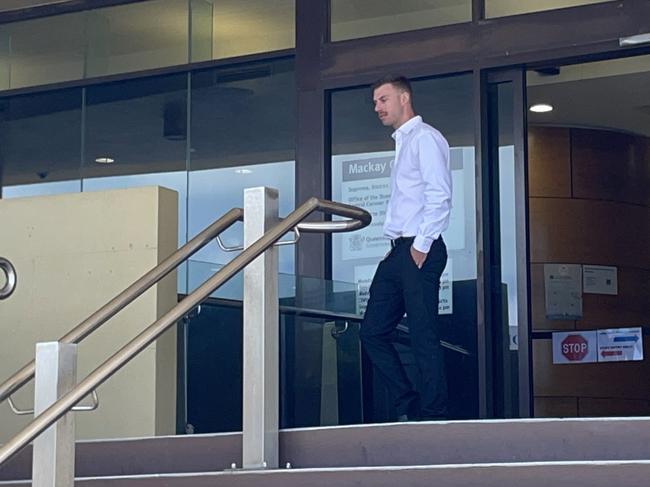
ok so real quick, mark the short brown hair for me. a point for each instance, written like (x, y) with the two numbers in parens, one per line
(399, 82)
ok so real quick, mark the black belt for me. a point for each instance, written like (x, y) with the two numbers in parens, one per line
(401, 240)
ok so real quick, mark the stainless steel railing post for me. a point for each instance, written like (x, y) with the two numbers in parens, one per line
(261, 396)
(56, 374)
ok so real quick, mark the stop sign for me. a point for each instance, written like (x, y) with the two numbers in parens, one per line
(574, 347)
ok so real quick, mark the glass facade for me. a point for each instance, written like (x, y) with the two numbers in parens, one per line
(135, 37)
(138, 133)
(502, 8)
(57, 54)
(353, 19)
(227, 28)
(139, 36)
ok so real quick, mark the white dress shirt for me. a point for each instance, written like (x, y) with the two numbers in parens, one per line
(420, 183)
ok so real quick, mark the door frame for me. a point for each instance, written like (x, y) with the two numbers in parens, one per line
(493, 386)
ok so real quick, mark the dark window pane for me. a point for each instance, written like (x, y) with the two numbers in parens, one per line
(40, 143)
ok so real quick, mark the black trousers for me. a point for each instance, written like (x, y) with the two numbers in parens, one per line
(400, 286)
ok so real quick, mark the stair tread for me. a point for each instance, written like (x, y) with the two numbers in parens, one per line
(399, 444)
(535, 474)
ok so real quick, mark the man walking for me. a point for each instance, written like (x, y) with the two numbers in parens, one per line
(408, 278)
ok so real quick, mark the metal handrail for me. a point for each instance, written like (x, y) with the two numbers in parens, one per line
(360, 218)
(24, 412)
(351, 317)
(237, 248)
(119, 302)
(10, 273)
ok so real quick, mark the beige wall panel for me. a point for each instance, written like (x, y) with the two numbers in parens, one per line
(625, 380)
(538, 304)
(585, 231)
(594, 407)
(610, 166)
(556, 407)
(631, 307)
(549, 162)
(73, 253)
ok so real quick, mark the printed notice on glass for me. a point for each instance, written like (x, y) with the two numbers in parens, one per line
(363, 275)
(446, 294)
(563, 291)
(366, 183)
(599, 279)
(620, 344)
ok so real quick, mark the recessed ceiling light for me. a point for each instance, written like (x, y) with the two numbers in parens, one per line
(105, 160)
(243, 171)
(541, 108)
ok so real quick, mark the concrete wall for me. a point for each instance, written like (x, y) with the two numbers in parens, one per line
(73, 253)
(590, 204)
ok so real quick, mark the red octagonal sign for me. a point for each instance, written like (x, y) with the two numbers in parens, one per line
(574, 347)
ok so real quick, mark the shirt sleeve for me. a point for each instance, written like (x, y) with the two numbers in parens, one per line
(432, 156)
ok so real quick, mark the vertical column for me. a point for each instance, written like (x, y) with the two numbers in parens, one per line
(312, 131)
(261, 335)
(56, 374)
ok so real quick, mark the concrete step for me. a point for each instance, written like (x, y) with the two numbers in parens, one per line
(564, 474)
(395, 444)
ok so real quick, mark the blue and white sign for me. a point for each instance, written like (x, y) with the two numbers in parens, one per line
(620, 344)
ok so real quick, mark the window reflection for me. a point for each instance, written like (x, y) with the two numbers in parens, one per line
(502, 8)
(353, 19)
(56, 54)
(228, 28)
(40, 143)
(136, 37)
(242, 126)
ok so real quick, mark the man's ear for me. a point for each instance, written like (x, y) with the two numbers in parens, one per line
(405, 97)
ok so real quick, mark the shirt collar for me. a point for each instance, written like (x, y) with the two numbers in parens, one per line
(407, 126)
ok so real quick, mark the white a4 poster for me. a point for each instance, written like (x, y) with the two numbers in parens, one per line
(366, 184)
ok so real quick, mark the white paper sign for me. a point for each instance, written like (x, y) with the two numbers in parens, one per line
(575, 347)
(366, 183)
(363, 275)
(563, 291)
(620, 344)
(599, 279)
(446, 294)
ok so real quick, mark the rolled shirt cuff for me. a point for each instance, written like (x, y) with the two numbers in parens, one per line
(422, 244)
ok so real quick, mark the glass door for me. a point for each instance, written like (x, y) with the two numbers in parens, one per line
(506, 268)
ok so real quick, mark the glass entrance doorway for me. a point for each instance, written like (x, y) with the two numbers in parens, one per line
(589, 200)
